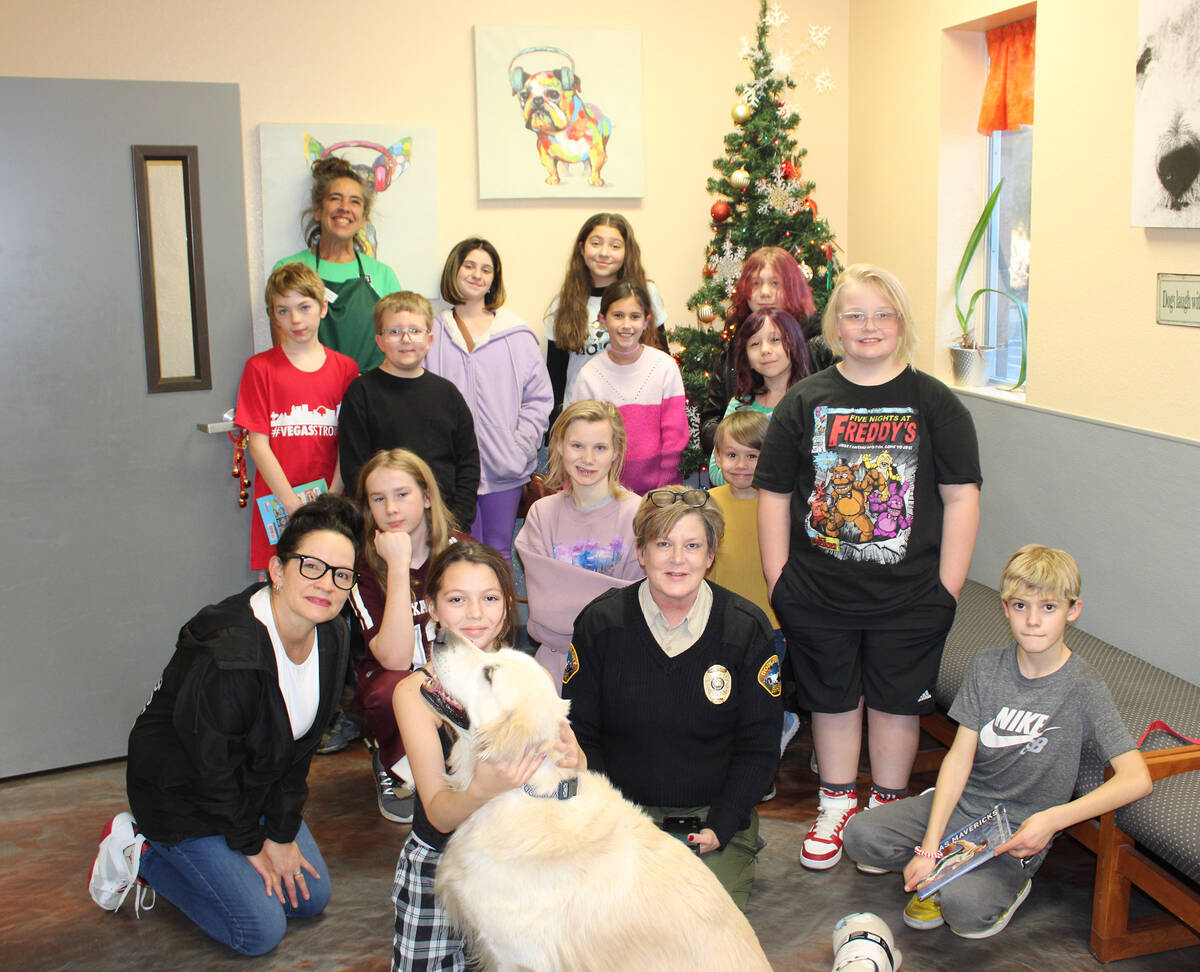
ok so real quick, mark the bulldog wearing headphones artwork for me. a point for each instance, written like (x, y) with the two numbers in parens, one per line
(568, 130)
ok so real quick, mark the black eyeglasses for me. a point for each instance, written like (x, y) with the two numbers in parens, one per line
(695, 498)
(314, 568)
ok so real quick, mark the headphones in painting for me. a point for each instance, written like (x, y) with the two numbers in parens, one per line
(518, 76)
(390, 162)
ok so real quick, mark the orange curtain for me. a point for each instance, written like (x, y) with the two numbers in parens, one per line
(1008, 97)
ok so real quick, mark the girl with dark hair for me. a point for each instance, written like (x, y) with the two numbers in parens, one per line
(769, 356)
(334, 244)
(645, 385)
(770, 277)
(219, 757)
(494, 359)
(605, 252)
(470, 591)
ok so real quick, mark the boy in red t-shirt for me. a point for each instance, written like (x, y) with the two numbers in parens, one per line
(289, 399)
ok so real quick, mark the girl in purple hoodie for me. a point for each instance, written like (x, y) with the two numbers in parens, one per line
(495, 360)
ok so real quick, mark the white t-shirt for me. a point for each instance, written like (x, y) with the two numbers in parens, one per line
(299, 684)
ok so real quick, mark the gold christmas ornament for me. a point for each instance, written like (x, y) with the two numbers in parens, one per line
(806, 270)
(706, 313)
(741, 113)
(740, 178)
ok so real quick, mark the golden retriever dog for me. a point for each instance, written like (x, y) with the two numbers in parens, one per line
(564, 873)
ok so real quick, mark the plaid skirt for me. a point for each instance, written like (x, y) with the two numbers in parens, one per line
(425, 939)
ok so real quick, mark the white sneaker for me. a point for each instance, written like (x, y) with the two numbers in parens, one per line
(822, 847)
(115, 871)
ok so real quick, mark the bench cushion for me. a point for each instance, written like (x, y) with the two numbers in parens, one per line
(1168, 821)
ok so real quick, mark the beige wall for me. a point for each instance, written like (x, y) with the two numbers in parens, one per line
(1094, 348)
(413, 63)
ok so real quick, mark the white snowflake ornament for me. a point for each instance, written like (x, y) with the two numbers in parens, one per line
(819, 35)
(776, 17)
(727, 265)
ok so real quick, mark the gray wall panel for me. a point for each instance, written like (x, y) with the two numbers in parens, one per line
(1118, 499)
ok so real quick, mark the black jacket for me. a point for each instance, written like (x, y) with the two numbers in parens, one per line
(722, 384)
(212, 752)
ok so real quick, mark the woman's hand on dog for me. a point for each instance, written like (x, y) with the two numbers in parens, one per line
(704, 842)
(570, 755)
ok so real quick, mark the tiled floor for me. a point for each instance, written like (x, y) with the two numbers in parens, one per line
(49, 825)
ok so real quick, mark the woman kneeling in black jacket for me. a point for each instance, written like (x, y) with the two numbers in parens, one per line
(219, 757)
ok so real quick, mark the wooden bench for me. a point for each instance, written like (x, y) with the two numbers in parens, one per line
(1153, 843)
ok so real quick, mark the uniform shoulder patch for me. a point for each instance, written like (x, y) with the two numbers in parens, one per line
(572, 665)
(768, 676)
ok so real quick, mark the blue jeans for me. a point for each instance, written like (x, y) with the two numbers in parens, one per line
(221, 892)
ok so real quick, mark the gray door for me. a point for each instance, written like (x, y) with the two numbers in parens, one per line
(119, 518)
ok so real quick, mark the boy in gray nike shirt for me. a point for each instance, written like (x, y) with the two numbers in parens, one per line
(1024, 712)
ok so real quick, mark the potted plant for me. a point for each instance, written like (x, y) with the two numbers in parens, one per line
(967, 355)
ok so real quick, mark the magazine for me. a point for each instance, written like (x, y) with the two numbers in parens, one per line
(273, 515)
(966, 849)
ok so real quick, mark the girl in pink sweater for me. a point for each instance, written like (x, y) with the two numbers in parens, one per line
(645, 386)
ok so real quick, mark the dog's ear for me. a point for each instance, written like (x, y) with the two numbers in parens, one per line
(568, 79)
(517, 78)
(510, 735)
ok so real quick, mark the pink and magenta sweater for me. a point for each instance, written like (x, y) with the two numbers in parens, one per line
(649, 396)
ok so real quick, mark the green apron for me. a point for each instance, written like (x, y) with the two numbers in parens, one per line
(349, 326)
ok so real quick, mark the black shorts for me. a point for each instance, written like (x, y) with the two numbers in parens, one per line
(835, 661)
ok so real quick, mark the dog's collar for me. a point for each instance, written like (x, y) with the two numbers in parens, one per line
(565, 790)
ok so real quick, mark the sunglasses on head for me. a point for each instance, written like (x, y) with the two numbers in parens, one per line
(662, 498)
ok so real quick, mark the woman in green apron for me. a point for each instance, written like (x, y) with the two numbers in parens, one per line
(354, 281)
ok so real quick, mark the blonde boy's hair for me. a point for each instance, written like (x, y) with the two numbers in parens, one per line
(893, 290)
(403, 300)
(587, 410)
(1043, 571)
(296, 277)
(745, 426)
(652, 522)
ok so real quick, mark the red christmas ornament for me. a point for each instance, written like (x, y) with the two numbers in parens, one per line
(721, 211)
(241, 441)
(811, 204)
(789, 170)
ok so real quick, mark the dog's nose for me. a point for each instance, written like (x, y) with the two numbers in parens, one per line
(1177, 170)
(538, 101)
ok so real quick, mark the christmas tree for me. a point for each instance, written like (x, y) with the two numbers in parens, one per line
(762, 200)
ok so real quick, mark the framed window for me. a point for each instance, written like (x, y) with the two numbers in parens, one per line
(1010, 157)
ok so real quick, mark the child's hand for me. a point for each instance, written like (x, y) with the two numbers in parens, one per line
(394, 548)
(290, 501)
(492, 779)
(1031, 837)
(916, 871)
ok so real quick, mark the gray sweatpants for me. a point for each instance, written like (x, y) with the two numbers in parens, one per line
(885, 837)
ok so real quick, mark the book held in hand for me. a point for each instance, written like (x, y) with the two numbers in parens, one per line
(966, 849)
(274, 516)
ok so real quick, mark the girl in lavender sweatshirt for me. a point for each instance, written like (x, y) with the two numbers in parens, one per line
(495, 360)
(578, 543)
(645, 385)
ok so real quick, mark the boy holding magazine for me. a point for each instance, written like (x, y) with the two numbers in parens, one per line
(1024, 712)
